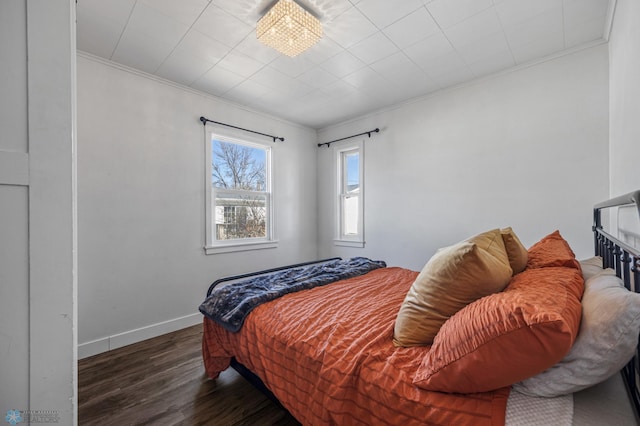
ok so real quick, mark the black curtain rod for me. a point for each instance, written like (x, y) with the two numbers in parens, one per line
(206, 120)
(328, 144)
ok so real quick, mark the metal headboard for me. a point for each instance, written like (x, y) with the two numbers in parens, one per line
(625, 260)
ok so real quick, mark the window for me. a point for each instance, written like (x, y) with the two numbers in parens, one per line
(350, 202)
(239, 198)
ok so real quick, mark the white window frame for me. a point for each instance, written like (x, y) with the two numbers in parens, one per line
(341, 239)
(213, 246)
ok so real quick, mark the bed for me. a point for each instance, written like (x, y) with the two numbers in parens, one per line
(347, 351)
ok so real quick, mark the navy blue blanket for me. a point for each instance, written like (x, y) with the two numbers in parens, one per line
(230, 304)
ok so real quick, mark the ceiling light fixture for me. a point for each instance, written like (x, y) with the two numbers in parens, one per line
(288, 28)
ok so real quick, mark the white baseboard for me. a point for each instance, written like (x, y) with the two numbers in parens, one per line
(119, 340)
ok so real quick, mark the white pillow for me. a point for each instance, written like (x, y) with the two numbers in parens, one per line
(591, 267)
(607, 340)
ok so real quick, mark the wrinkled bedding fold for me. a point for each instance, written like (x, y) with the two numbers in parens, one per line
(327, 355)
(230, 304)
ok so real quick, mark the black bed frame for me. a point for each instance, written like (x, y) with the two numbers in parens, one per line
(625, 260)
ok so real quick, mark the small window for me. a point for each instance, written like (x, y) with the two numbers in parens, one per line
(350, 196)
(239, 214)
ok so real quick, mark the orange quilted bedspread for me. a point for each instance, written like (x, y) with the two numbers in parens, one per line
(327, 355)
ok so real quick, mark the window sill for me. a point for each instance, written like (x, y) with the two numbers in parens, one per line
(348, 243)
(232, 248)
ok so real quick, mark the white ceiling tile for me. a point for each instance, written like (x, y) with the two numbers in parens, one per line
(220, 25)
(96, 35)
(140, 51)
(317, 77)
(384, 12)
(481, 25)
(426, 51)
(350, 28)
(183, 67)
(322, 50)
(367, 101)
(307, 105)
(546, 45)
(184, 11)
(339, 89)
(366, 78)
(534, 28)
(484, 47)
(412, 28)
(292, 67)
(342, 64)
(293, 108)
(285, 94)
(217, 81)
(413, 89)
(240, 64)
(294, 89)
(327, 10)
(117, 11)
(199, 45)
(248, 11)
(584, 20)
(584, 32)
(270, 77)
(397, 68)
(211, 46)
(326, 116)
(512, 12)
(344, 109)
(420, 88)
(577, 12)
(450, 12)
(445, 64)
(315, 98)
(373, 48)
(149, 21)
(252, 47)
(454, 77)
(492, 63)
(248, 90)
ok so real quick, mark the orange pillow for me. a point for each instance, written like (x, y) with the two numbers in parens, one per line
(515, 250)
(506, 337)
(454, 277)
(552, 250)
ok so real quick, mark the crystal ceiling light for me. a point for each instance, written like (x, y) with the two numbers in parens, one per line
(288, 28)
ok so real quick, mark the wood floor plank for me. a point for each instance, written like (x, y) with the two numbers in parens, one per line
(161, 381)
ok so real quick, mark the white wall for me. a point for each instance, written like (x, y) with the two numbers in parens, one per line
(526, 149)
(37, 208)
(141, 203)
(14, 209)
(624, 69)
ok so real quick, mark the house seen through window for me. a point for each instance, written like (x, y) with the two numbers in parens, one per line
(240, 191)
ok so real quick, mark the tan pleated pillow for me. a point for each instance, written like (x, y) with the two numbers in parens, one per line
(516, 252)
(454, 277)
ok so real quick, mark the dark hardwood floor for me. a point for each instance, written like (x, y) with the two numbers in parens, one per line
(161, 381)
